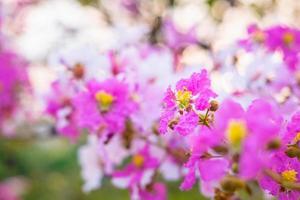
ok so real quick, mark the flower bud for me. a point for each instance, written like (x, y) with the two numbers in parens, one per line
(235, 168)
(220, 149)
(273, 144)
(78, 71)
(292, 152)
(232, 184)
(214, 105)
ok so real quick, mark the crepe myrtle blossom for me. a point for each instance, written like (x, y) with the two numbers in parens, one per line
(253, 134)
(282, 179)
(210, 168)
(292, 135)
(98, 159)
(138, 176)
(283, 39)
(183, 106)
(104, 107)
(80, 64)
(223, 155)
(13, 82)
(178, 40)
(60, 106)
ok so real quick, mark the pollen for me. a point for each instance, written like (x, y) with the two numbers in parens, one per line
(297, 138)
(184, 98)
(236, 132)
(288, 38)
(138, 160)
(104, 99)
(289, 175)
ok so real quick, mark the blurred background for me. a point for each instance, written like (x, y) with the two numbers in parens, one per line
(38, 164)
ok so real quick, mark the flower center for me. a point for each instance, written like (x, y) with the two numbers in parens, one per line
(138, 160)
(183, 98)
(288, 38)
(297, 138)
(289, 175)
(236, 132)
(104, 99)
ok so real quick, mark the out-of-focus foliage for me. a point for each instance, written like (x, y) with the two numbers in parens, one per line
(51, 169)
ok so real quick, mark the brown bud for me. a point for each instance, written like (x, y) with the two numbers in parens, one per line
(128, 134)
(292, 152)
(274, 144)
(221, 195)
(231, 184)
(173, 123)
(78, 71)
(220, 149)
(214, 105)
(235, 168)
(236, 157)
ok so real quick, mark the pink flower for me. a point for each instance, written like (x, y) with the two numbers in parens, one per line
(292, 134)
(137, 175)
(209, 167)
(182, 106)
(13, 81)
(282, 39)
(288, 169)
(176, 39)
(105, 106)
(60, 106)
(248, 133)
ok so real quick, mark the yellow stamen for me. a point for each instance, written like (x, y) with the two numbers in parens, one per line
(236, 132)
(297, 138)
(288, 38)
(289, 175)
(138, 160)
(184, 98)
(104, 99)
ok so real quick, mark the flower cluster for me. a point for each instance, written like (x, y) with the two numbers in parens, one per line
(282, 39)
(182, 107)
(238, 147)
(148, 113)
(214, 139)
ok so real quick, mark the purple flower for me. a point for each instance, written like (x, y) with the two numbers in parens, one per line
(281, 39)
(288, 170)
(176, 39)
(13, 82)
(210, 168)
(248, 133)
(60, 106)
(105, 106)
(137, 175)
(182, 106)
